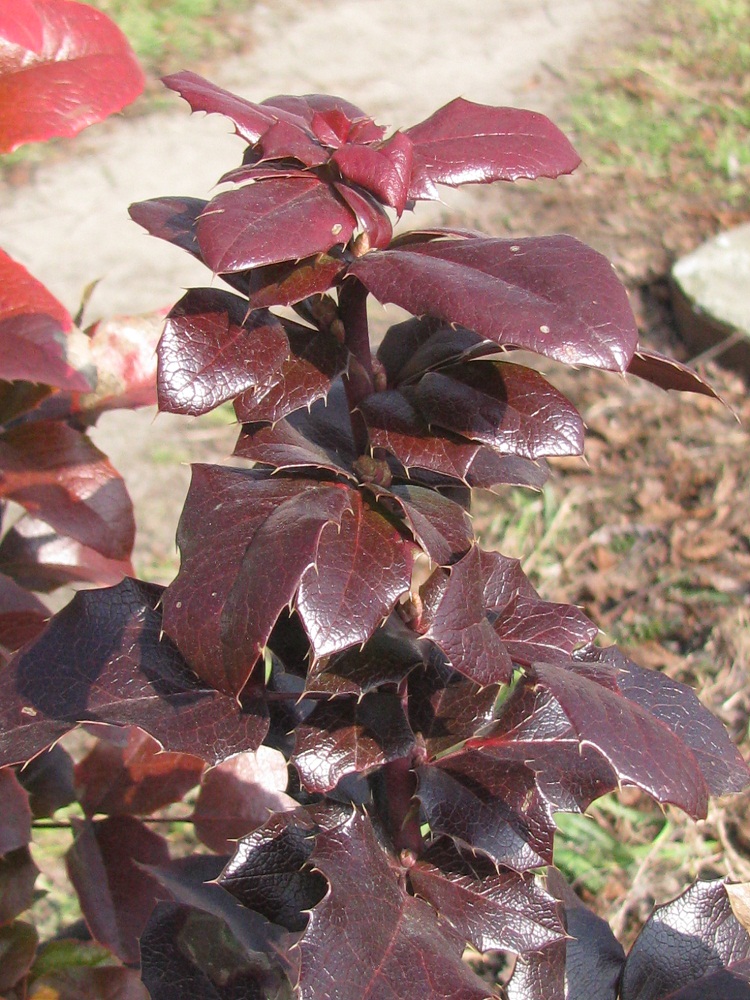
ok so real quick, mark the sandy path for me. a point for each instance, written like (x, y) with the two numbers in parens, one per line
(399, 60)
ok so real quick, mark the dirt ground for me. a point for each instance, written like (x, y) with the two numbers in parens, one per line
(650, 535)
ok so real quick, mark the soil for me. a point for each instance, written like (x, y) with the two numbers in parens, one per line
(650, 535)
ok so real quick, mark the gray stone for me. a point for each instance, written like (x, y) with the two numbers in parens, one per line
(711, 296)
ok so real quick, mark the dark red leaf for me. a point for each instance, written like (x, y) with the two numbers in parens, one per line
(284, 446)
(385, 170)
(212, 350)
(350, 736)
(668, 373)
(691, 948)
(17, 398)
(677, 706)
(105, 982)
(272, 221)
(287, 283)
(49, 782)
(22, 615)
(172, 219)
(135, 778)
(532, 630)
(464, 143)
(250, 120)
(18, 944)
(440, 526)
(418, 345)
(83, 71)
(40, 559)
(15, 816)
(286, 139)
(20, 24)
(363, 565)
(491, 909)
(116, 894)
(18, 875)
(103, 659)
(371, 935)
(316, 360)
(57, 474)
(539, 975)
(457, 623)
(512, 409)
(642, 750)
(548, 294)
(237, 796)
(371, 217)
(333, 111)
(386, 658)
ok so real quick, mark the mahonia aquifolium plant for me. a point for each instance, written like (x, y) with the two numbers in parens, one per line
(390, 756)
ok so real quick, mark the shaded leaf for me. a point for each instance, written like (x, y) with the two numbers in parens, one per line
(173, 219)
(417, 345)
(491, 909)
(104, 864)
(350, 735)
(370, 935)
(690, 948)
(385, 169)
(287, 283)
(548, 294)
(37, 557)
(668, 373)
(18, 875)
(15, 824)
(133, 777)
(22, 615)
(83, 71)
(212, 350)
(108, 982)
(316, 359)
(103, 659)
(272, 221)
(57, 474)
(49, 782)
(18, 943)
(285, 446)
(238, 795)
(371, 217)
(464, 142)
(441, 526)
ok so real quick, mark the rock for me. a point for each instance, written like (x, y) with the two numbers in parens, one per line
(711, 298)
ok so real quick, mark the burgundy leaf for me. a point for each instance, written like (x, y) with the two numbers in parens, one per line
(512, 409)
(464, 143)
(363, 565)
(386, 658)
(18, 398)
(83, 71)
(539, 975)
(287, 283)
(457, 623)
(86, 983)
(250, 120)
(442, 528)
(20, 24)
(371, 217)
(503, 581)
(328, 110)
(172, 219)
(135, 778)
(103, 659)
(490, 908)
(116, 894)
(22, 615)
(272, 221)
(350, 735)
(284, 446)
(49, 781)
(539, 630)
(315, 361)
(237, 796)
(641, 749)
(212, 350)
(15, 824)
(690, 948)
(259, 171)
(385, 170)
(370, 935)
(668, 373)
(57, 474)
(548, 294)
(18, 944)
(18, 875)
(40, 559)
(286, 139)
(33, 325)
(269, 872)
(411, 348)
(677, 706)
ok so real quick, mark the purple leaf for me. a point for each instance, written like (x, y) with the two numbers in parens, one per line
(363, 566)
(327, 111)
(350, 736)
(173, 219)
(272, 221)
(116, 894)
(284, 446)
(464, 143)
(49, 781)
(371, 217)
(540, 975)
(57, 474)
(532, 630)
(287, 283)
(18, 875)
(668, 373)
(548, 294)
(441, 527)
(417, 345)
(15, 824)
(18, 945)
(384, 170)
(103, 659)
(22, 615)
(212, 350)
(691, 948)
(370, 935)
(315, 361)
(490, 908)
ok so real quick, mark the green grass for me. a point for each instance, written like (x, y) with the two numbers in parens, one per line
(677, 106)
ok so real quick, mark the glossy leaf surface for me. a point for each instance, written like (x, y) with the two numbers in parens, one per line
(80, 71)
